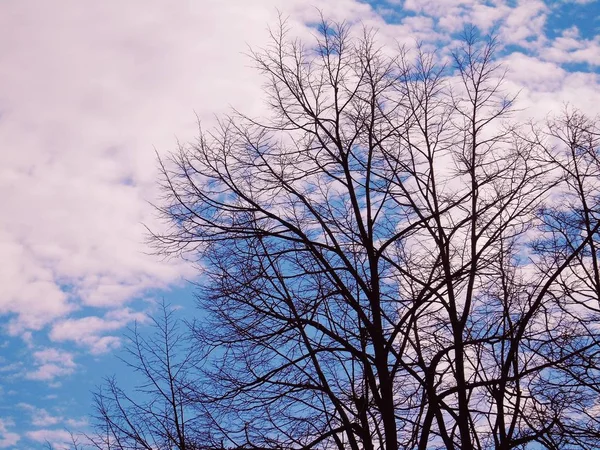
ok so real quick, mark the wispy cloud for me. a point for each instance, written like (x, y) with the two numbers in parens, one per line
(59, 439)
(571, 47)
(7, 438)
(39, 416)
(51, 363)
(89, 331)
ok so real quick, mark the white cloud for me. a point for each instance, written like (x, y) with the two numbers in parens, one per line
(77, 423)
(531, 73)
(545, 87)
(28, 288)
(49, 371)
(51, 363)
(570, 47)
(59, 439)
(524, 22)
(517, 23)
(89, 331)
(91, 89)
(90, 92)
(580, 2)
(39, 416)
(7, 438)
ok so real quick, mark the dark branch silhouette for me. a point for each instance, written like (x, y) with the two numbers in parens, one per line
(388, 261)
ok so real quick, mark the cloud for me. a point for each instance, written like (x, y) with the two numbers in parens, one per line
(93, 89)
(82, 163)
(516, 23)
(77, 423)
(51, 363)
(545, 87)
(89, 331)
(120, 80)
(7, 438)
(91, 93)
(39, 416)
(580, 2)
(570, 47)
(525, 21)
(28, 288)
(59, 439)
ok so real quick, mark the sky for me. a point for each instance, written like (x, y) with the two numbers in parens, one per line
(91, 91)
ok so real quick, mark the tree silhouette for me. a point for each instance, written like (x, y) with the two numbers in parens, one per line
(388, 260)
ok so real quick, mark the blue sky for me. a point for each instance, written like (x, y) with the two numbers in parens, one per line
(89, 91)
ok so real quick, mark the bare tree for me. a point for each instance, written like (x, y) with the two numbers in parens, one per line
(388, 262)
(157, 415)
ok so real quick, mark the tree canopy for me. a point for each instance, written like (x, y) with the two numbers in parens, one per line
(388, 258)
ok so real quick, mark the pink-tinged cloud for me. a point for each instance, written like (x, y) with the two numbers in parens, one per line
(7, 438)
(90, 90)
(59, 439)
(51, 363)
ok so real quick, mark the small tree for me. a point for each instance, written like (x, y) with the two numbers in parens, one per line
(387, 260)
(157, 415)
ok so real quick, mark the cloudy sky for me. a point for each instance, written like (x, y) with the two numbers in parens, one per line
(90, 90)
